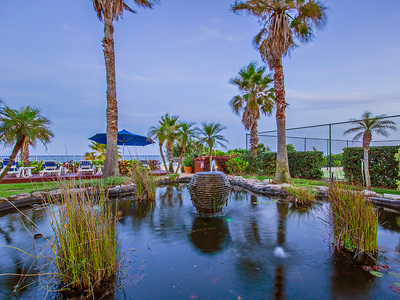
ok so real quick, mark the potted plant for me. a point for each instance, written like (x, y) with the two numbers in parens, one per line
(188, 164)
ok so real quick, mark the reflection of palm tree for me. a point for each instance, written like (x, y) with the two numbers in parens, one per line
(209, 234)
(283, 209)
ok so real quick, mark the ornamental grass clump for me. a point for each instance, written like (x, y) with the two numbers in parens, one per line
(355, 221)
(85, 242)
(145, 182)
(301, 197)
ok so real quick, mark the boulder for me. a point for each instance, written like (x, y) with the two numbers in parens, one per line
(3, 199)
(39, 194)
(19, 197)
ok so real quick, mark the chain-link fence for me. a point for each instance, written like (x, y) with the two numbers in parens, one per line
(329, 138)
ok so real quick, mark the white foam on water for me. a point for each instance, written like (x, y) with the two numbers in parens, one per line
(279, 252)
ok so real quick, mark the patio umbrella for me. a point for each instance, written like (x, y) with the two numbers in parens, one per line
(125, 138)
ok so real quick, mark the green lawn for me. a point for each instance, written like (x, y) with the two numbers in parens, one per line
(310, 183)
(7, 190)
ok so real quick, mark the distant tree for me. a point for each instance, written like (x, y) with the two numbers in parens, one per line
(210, 135)
(256, 98)
(110, 10)
(364, 128)
(282, 21)
(166, 132)
(19, 125)
(185, 133)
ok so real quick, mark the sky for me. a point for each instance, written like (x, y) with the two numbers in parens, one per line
(178, 58)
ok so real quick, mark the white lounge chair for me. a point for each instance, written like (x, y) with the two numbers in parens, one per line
(15, 169)
(51, 167)
(86, 166)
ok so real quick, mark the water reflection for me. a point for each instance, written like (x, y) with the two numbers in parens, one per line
(209, 234)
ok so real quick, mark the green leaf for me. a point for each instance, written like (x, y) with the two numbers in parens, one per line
(394, 274)
(396, 284)
(376, 273)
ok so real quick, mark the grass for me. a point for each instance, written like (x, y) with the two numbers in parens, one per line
(301, 197)
(7, 190)
(85, 244)
(355, 221)
(146, 184)
(299, 182)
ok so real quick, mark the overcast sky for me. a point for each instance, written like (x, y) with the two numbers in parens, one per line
(179, 57)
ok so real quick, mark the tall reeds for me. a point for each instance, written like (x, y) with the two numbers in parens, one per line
(145, 182)
(85, 243)
(355, 221)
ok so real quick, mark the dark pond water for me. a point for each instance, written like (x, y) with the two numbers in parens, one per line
(256, 249)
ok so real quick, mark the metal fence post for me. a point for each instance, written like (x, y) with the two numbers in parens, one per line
(246, 141)
(330, 152)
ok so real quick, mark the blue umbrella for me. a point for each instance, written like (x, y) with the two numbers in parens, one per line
(125, 138)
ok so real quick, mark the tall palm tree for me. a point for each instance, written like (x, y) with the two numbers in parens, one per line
(110, 10)
(185, 134)
(257, 98)
(282, 20)
(17, 125)
(210, 135)
(25, 151)
(364, 128)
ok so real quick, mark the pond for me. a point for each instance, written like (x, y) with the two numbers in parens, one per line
(257, 248)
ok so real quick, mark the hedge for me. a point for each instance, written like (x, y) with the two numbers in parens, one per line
(383, 167)
(305, 164)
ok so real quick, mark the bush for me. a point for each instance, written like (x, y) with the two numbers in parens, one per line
(301, 197)
(304, 164)
(37, 166)
(125, 167)
(71, 166)
(383, 167)
(188, 161)
(154, 165)
(237, 165)
(220, 160)
(336, 160)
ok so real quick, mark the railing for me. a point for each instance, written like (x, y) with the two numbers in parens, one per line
(65, 158)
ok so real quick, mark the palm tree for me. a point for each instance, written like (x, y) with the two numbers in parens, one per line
(16, 126)
(282, 21)
(257, 97)
(25, 151)
(166, 132)
(185, 133)
(158, 133)
(364, 128)
(210, 135)
(172, 127)
(110, 10)
(99, 151)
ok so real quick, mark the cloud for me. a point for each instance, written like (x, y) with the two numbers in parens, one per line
(66, 27)
(208, 32)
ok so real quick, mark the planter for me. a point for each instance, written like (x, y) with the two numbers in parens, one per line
(188, 169)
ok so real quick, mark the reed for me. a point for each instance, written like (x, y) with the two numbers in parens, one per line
(145, 182)
(85, 242)
(355, 221)
(301, 197)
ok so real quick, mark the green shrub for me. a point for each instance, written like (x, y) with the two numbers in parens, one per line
(236, 165)
(37, 166)
(304, 164)
(301, 197)
(336, 160)
(383, 168)
(188, 161)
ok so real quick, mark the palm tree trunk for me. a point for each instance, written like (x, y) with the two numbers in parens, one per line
(366, 170)
(17, 147)
(25, 153)
(111, 162)
(254, 139)
(170, 157)
(210, 156)
(182, 151)
(163, 157)
(282, 163)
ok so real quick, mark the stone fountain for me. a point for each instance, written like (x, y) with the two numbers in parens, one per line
(209, 191)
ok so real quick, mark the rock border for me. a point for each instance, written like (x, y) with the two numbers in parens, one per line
(266, 188)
